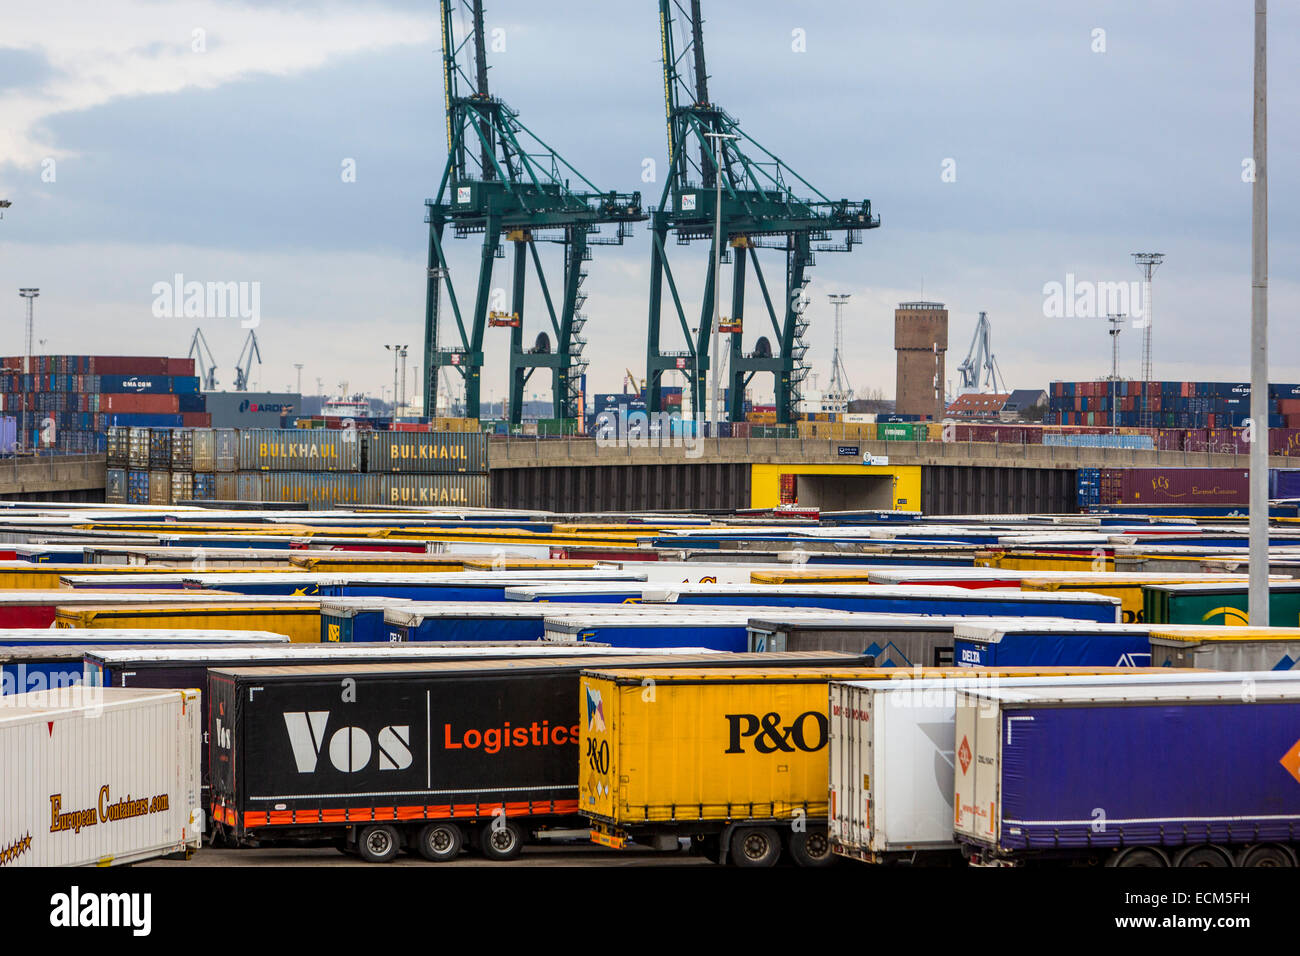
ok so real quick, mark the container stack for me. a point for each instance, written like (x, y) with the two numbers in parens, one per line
(166, 465)
(317, 468)
(72, 400)
(1194, 405)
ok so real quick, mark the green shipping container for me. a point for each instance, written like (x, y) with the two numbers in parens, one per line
(897, 431)
(1217, 604)
(557, 426)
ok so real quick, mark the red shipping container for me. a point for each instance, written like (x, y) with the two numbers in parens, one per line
(129, 365)
(1191, 486)
(180, 366)
(196, 419)
(140, 404)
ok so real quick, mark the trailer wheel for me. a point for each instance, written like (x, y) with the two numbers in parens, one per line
(440, 842)
(1205, 855)
(1267, 855)
(501, 841)
(812, 848)
(755, 846)
(379, 843)
(1140, 856)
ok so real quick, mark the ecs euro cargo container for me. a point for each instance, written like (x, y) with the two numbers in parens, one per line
(1157, 775)
(119, 788)
(421, 755)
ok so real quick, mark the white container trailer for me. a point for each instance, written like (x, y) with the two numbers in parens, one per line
(892, 750)
(99, 776)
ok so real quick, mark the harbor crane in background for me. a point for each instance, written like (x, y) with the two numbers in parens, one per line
(244, 366)
(759, 209)
(980, 362)
(207, 368)
(501, 181)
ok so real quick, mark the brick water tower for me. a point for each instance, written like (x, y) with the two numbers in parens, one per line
(920, 339)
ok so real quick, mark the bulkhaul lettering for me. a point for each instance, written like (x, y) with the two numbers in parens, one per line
(428, 496)
(425, 452)
(297, 450)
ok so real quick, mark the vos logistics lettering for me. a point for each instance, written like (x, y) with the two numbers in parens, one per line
(495, 739)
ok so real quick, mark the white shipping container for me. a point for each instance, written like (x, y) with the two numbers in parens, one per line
(98, 776)
(892, 753)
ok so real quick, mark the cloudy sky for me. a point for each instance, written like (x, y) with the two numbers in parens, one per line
(143, 139)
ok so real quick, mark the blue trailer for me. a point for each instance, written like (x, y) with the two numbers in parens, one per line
(1051, 644)
(415, 586)
(1152, 775)
(39, 659)
(485, 621)
(356, 620)
(880, 598)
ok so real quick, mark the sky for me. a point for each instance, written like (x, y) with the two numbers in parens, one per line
(289, 147)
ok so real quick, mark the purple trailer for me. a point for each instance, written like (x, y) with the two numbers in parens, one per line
(1158, 775)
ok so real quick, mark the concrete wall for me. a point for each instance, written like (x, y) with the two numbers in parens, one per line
(56, 477)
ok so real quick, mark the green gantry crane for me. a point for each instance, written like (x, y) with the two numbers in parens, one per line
(503, 182)
(759, 210)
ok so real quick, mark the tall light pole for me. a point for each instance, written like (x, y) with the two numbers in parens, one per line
(1116, 326)
(397, 351)
(298, 366)
(1259, 334)
(29, 295)
(716, 360)
(839, 386)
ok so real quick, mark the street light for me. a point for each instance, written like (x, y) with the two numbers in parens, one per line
(717, 269)
(29, 295)
(398, 351)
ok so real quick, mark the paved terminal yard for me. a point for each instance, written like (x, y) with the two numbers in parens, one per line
(574, 855)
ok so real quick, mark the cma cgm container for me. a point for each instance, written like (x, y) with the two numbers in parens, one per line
(1071, 772)
(753, 761)
(118, 788)
(1227, 649)
(298, 449)
(421, 755)
(425, 452)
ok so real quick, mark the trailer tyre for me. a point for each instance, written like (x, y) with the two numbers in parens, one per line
(501, 841)
(440, 842)
(1267, 855)
(811, 848)
(1204, 855)
(1140, 856)
(755, 846)
(379, 843)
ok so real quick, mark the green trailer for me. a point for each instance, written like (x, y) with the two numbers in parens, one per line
(1217, 604)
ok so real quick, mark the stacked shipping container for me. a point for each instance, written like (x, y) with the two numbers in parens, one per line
(316, 467)
(71, 400)
(1193, 405)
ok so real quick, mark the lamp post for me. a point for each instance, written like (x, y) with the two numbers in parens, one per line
(715, 361)
(1259, 596)
(29, 295)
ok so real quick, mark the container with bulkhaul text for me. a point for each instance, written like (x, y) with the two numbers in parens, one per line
(108, 776)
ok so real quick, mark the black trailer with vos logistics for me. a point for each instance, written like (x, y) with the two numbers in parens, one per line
(429, 756)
